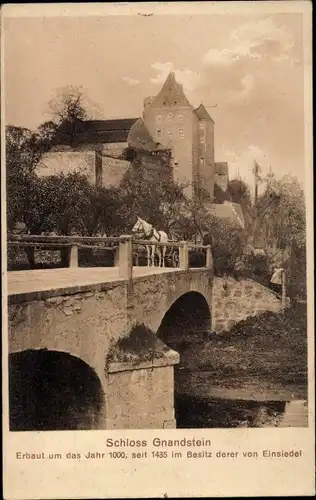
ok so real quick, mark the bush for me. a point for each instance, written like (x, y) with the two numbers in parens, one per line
(197, 257)
(258, 268)
(142, 344)
(227, 242)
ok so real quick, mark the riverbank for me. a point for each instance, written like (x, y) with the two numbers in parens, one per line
(263, 358)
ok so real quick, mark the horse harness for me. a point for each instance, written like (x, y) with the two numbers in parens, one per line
(152, 234)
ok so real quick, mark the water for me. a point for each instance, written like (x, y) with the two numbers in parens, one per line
(199, 413)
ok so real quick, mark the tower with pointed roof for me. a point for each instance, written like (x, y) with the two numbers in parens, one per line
(173, 122)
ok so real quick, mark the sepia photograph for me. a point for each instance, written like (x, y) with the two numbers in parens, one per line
(155, 221)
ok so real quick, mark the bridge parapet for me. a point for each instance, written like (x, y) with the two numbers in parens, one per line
(126, 250)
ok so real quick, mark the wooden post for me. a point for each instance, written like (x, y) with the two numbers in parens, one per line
(117, 256)
(125, 257)
(283, 300)
(30, 252)
(184, 255)
(73, 259)
(65, 256)
(209, 260)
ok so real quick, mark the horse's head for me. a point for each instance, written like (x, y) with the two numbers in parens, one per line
(142, 228)
(138, 227)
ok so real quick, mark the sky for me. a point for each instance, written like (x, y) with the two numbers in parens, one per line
(246, 69)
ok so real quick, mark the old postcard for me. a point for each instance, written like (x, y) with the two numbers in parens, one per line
(157, 241)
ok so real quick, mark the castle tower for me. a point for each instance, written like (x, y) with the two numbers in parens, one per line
(203, 152)
(189, 133)
(170, 121)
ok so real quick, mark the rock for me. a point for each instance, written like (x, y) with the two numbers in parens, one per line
(67, 311)
(54, 301)
(69, 301)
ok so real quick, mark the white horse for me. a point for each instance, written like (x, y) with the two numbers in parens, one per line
(147, 232)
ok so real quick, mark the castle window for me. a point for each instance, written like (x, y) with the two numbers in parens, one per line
(159, 132)
(201, 126)
(169, 131)
(202, 160)
(180, 118)
(158, 118)
(181, 133)
(170, 117)
(202, 139)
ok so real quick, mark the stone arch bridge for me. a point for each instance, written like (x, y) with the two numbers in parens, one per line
(65, 324)
(62, 324)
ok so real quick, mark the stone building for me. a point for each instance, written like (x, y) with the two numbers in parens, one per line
(189, 133)
(172, 140)
(106, 150)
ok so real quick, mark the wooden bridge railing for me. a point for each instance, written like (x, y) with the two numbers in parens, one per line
(123, 246)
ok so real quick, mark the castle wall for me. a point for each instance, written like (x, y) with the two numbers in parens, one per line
(114, 149)
(113, 171)
(57, 162)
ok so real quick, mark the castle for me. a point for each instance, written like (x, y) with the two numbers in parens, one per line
(171, 139)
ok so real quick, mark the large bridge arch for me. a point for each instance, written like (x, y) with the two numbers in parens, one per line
(53, 390)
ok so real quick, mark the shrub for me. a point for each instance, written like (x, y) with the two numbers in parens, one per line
(227, 242)
(197, 257)
(142, 344)
(258, 268)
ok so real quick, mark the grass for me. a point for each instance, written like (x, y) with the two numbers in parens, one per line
(268, 352)
(142, 344)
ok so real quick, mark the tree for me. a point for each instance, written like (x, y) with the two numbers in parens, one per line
(239, 192)
(102, 212)
(24, 149)
(68, 111)
(228, 243)
(281, 213)
(68, 105)
(158, 201)
(161, 202)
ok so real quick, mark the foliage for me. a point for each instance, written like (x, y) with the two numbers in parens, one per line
(219, 195)
(162, 203)
(239, 192)
(228, 244)
(142, 344)
(69, 204)
(281, 213)
(257, 267)
(23, 152)
(68, 115)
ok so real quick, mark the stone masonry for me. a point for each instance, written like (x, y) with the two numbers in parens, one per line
(141, 395)
(86, 321)
(234, 301)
